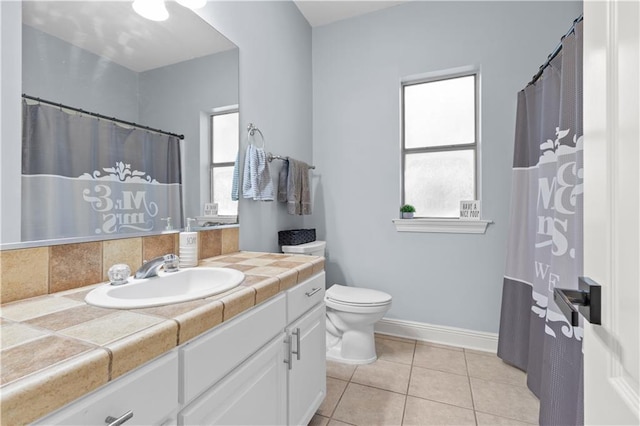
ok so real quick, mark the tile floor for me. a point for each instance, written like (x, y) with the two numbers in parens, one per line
(418, 383)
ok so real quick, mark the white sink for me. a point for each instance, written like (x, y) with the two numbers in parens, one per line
(166, 288)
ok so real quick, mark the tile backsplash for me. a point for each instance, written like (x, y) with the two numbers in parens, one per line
(31, 272)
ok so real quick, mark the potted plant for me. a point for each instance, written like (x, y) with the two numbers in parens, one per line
(407, 211)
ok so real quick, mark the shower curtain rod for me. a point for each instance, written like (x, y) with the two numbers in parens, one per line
(95, 114)
(555, 52)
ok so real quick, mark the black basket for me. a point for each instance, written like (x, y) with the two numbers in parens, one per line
(294, 237)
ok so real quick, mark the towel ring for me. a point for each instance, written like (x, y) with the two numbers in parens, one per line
(251, 131)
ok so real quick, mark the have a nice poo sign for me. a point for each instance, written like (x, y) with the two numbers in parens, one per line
(470, 210)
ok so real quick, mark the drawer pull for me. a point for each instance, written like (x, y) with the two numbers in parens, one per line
(297, 351)
(113, 421)
(312, 292)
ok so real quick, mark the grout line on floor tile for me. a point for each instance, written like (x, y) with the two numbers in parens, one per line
(339, 400)
(391, 361)
(447, 403)
(406, 396)
(506, 417)
(353, 373)
(377, 388)
(473, 402)
(445, 371)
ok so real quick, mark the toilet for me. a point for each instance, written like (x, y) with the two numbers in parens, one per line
(351, 315)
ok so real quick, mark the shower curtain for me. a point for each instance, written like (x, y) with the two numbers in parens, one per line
(83, 176)
(545, 237)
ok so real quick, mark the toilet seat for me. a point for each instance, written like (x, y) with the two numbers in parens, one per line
(355, 297)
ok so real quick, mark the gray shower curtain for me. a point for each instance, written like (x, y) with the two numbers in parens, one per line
(545, 237)
(83, 176)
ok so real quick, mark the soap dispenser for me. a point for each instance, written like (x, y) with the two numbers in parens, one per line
(188, 246)
(169, 227)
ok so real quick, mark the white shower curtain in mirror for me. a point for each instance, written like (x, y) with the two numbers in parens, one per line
(87, 177)
(545, 237)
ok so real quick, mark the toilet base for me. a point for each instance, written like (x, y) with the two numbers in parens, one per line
(334, 355)
(353, 346)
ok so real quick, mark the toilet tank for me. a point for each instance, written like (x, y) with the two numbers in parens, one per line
(314, 248)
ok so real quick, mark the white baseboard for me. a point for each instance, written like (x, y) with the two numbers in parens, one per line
(452, 336)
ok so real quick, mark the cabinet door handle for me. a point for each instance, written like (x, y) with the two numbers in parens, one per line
(297, 351)
(113, 421)
(289, 351)
(312, 292)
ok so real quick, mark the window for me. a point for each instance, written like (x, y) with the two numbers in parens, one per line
(440, 144)
(224, 149)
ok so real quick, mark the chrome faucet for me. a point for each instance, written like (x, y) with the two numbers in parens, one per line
(150, 269)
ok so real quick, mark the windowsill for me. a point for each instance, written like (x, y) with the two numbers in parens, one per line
(452, 226)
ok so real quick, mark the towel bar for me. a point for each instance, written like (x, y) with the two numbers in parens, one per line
(271, 157)
(251, 131)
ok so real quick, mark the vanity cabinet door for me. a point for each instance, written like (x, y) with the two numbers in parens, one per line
(307, 375)
(212, 356)
(253, 394)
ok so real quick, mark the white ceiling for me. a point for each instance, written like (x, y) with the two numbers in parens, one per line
(113, 30)
(322, 12)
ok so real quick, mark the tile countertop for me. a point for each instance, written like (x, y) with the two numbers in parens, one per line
(56, 348)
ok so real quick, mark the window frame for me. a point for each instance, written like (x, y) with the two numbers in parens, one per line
(212, 164)
(475, 146)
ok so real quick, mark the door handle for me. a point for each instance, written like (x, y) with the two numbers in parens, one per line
(289, 359)
(588, 298)
(297, 334)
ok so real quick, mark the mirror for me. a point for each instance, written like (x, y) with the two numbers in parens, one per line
(175, 75)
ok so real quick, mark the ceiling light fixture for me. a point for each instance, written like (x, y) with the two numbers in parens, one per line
(192, 4)
(153, 10)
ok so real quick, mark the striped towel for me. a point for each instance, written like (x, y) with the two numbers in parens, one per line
(236, 178)
(257, 183)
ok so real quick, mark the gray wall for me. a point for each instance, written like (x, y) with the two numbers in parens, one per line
(275, 94)
(10, 119)
(55, 70)
(176, 98)
(443, 279)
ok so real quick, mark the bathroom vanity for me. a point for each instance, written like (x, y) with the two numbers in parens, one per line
(265, 365)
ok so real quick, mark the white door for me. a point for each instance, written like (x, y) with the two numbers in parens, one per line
(612, 209)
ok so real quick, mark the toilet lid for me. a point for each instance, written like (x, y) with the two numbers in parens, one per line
(357, 296)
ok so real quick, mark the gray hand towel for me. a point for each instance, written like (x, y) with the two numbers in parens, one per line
(305, 197)
(282, 182)
(298, 191)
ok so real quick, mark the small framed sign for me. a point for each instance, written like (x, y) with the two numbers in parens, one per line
(470, 210)
(210, 209)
